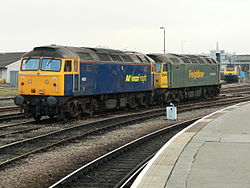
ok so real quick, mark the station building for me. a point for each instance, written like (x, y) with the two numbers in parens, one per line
(241, 61)
(231, 58)
(9, 64)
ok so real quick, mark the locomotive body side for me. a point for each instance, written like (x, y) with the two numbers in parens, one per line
(105, 78)
(193, 75)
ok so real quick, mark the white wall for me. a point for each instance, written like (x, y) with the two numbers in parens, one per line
(3, 73)
(11, 67)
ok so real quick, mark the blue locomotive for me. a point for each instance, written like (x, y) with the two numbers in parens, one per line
(69, 81)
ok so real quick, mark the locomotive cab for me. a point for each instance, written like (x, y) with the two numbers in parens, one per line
(161, 71)
(45, 76)
(232, 73)
(45, 80)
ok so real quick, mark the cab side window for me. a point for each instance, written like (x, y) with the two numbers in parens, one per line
(165, 68)
(157, 67)
(67, 67)
(75, 66)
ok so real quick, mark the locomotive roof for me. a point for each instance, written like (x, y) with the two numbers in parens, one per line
(88, 54)
(182, 59)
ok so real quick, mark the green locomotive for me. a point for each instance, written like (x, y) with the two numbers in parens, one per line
(178, 77)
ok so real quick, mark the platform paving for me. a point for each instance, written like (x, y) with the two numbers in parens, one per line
(212, 153)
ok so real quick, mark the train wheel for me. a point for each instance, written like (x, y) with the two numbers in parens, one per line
(66, 116)
(133, 103)
(177, 98)
(37, 118)
(51, 116)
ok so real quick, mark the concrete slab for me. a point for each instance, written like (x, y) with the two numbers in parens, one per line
(219, 165)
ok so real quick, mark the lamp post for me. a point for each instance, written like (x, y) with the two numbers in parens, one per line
(164, 37)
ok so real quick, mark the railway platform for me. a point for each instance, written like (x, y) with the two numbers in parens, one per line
(213, 152)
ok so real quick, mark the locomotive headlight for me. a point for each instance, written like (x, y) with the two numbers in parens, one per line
(46, 81)
(29, 81)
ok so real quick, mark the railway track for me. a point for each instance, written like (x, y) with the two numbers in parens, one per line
(11, 152)
(235, 89)
(9, 108)
(119, 167)
(10, 116)
(244, 89)
(116, 167)
(6, 115)
(23, 126)
(6, 102)
(17, 131)
(6, 98)
(20, 149)
(3, 127)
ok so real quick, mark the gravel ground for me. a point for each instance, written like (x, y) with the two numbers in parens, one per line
(4, 103)
(228, 85)
(7, 91)
(42, 170)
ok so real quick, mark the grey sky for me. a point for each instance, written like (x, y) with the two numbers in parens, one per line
(127, 24)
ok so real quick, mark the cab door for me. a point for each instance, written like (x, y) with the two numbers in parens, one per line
(164, 75)
(76, 77)
(161, 75)
(71, 76)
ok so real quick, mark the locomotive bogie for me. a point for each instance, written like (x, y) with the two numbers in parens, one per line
(68, 107)
(164, 96)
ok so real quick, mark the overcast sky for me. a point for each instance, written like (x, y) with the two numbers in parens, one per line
(126, 24)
